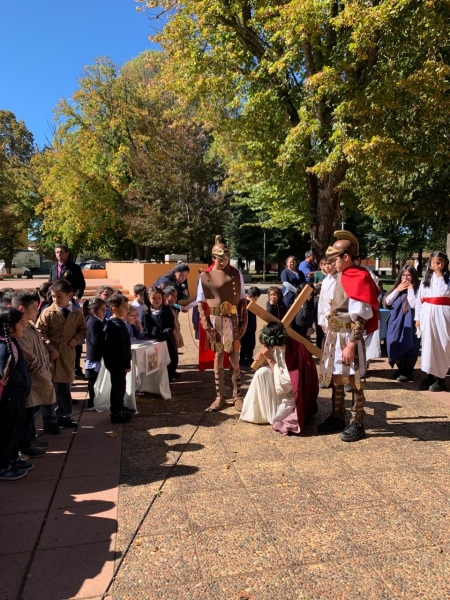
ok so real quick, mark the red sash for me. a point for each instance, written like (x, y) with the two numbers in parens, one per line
(442, 300)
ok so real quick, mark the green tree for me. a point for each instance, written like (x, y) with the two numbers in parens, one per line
(17, 183)
(311, 99)
(127, 168)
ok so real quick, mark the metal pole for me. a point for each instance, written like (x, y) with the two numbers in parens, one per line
(264, 257)
(341, 206)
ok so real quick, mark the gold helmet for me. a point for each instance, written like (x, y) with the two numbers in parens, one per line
(346, 243)
(220, 249)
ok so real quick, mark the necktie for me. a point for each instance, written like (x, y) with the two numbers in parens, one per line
(65, 311)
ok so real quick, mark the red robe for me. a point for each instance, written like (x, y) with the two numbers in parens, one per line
(359, 285)
(305, 386)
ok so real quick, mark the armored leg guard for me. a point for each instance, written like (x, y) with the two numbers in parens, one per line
(358, 407)
(338, 401)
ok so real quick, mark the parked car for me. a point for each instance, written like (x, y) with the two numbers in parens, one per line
(15, 271)
(91, 265)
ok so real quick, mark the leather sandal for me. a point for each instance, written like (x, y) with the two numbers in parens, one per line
(218, 404)
(238, 403)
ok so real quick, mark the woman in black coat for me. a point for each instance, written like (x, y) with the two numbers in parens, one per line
(178, 278)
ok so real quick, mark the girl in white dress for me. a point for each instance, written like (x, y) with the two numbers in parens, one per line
(270, 398)
(433, 320)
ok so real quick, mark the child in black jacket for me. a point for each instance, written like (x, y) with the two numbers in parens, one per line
(159, 325)
(15, 386)
(248, 340)
(275, 304)
(117, 356)
(94, 311)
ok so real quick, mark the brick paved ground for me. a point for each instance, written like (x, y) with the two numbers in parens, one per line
(211, 508)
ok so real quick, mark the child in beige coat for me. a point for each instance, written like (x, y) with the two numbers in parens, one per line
(38, 363)
(62, 327)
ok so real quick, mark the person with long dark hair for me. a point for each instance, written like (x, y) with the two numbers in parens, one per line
(433, 320)
(401, 341)
(283, 392)
(15, 386)
(178, 278)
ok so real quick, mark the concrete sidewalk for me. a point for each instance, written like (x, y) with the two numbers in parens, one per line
(192, 505)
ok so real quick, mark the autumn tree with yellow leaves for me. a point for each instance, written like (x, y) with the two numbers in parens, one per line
(128, 174)
(318, 102)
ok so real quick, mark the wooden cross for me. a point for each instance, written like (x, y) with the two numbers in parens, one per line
(286, 321)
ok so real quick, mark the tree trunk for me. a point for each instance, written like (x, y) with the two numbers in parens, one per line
(448, 241)
(147, 253)
(139, 252)
(8, 258)
(324, 200)
(419, 262)
(394, 262)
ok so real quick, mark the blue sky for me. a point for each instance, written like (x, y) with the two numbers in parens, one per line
(45, 45)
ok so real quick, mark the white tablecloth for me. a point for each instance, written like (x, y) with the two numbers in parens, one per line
(157, 383)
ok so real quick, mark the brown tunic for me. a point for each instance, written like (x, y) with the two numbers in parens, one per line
(222, 290)
(221, 286)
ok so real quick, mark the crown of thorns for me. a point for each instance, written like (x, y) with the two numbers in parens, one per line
(273, 340)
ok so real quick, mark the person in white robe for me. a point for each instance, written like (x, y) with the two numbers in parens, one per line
(325, 298)
(270, 398)
(433, 322)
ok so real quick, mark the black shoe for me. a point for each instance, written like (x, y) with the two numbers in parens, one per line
(438, 385)
(74, 402)
(397, 373)
(404, 378)
(353, 432)
(32, 452)
(121, 417)
(128, 410)
(67, 423)
(52, 429)
(426, 383)
(331, 424)
(348, 388)
(39, 444)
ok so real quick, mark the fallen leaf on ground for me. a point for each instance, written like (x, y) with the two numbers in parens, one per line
(111, 434)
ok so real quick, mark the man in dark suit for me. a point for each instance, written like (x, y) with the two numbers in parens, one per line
(66, 269)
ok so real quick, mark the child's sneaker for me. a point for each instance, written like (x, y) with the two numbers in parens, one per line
(41, 444)
(12, 473)
(23, 464)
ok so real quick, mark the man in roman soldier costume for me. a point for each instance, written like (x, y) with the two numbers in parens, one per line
(353, 313)
(222, 308)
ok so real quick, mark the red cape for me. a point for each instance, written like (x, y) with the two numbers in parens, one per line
(359, 285)
(305, 385)
(205, 354)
